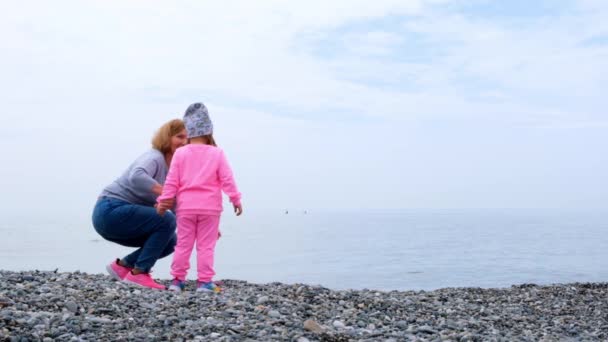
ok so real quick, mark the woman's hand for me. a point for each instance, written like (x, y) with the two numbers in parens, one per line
(157, 189)
(238, 209)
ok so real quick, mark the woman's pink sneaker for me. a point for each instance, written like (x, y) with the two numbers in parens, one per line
(117, 271)
(143, 280)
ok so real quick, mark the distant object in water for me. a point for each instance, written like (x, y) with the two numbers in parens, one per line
(305, 212)
(286, 212)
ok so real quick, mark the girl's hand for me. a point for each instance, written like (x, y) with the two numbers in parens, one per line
(238, 209)
(167, 204)
(160, 211)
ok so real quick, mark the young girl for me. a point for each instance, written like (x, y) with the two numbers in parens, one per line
(199, 172)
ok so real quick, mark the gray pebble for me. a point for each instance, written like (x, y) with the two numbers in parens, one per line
(426, 329)
(71, 306)
(338, 325)
(99, 320)
(262, 299)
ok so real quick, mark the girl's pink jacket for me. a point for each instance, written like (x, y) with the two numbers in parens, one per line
(196, 178)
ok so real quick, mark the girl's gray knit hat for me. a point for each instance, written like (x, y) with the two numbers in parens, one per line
(197, 121)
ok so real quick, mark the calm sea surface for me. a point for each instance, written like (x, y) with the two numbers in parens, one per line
(400, 250)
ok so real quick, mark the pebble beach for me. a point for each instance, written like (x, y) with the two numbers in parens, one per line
(52, 306)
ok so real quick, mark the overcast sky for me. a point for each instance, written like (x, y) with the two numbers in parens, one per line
(340, 104)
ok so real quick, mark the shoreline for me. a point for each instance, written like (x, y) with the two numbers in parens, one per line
(74, 306)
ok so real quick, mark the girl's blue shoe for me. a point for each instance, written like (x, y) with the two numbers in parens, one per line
(177, 285)
(208, 287)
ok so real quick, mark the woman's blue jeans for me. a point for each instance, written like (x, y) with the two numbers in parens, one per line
(135, 225)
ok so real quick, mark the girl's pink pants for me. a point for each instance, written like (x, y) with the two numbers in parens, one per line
(199, 229)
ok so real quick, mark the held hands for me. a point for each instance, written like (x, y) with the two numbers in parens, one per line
(164, 205)
(161, 208)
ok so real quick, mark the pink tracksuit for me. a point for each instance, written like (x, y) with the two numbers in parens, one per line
(196, 178)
